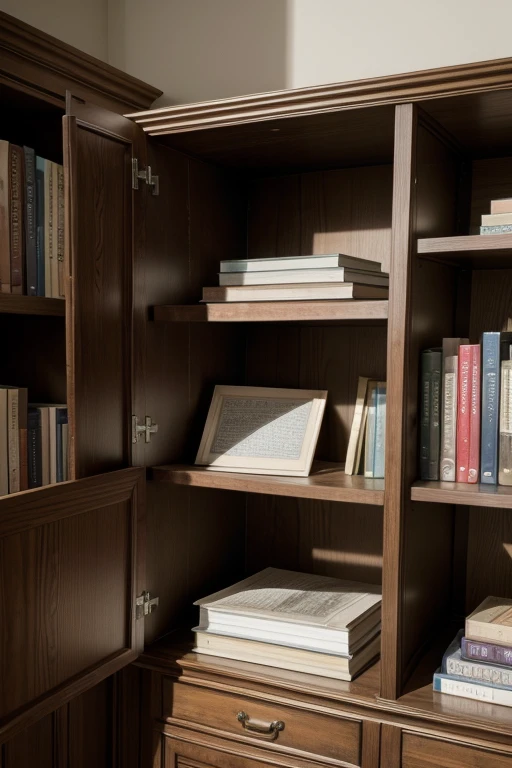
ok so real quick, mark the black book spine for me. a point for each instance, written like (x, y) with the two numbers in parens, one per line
(30, 221)
(35, 465)
(430, 422)
(40, 226)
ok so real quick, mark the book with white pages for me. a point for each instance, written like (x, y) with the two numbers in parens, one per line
(336, 666)
(295, 276)
(294, 292)
(297, 609)
(319, 261)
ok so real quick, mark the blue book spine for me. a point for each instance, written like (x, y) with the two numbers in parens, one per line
(40, 163)
(380, 431)
(490, 407)
(61, 418)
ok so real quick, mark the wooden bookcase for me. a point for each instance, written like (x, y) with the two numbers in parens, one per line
(396, 169)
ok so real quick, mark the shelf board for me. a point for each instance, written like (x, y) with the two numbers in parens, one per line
(475, 251)
(31, 305)
(327, 482)
(373, 311)
(463, 493)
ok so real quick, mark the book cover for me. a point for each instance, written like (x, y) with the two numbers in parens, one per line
(35, 475)
(502, 206)
(286, 276)
(490, 407)
(351, 466)
(430, 426)
(474, 419)
(491, 621)
(369, 439)
(321, 261)
(5, 226)
(496, 219)
(4, 444)
(456, 666)
(292, 292)
(40, 217)
(468, 689)
(16, 205)
(30, 221)
(505, 444)
(60, 232)
(487, 652)
(463, 413)
(449, 420)
(48, 227)
(380, 431)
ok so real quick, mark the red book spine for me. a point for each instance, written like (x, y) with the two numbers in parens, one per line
(463, 412)
(474, 423)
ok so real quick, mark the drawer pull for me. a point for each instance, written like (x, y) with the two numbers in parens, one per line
(271, 730)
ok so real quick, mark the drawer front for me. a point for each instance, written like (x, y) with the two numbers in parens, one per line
(423, 752)
(308, 732)
(188, 755)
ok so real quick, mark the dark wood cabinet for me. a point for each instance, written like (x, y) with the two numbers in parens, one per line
(397, 170)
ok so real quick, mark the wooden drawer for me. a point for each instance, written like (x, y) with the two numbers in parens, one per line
(423, 752)
(337, 738)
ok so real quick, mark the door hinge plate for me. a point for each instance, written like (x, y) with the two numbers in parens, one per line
(147, 429)
(145, 604)
(144, 175)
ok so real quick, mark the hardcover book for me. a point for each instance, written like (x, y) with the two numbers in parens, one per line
(490, 407)
(380, 430)
(30, 221)
(4, 444)
(16, 206)
(502, 206)
(292, 292)
(449, 407)
(35, 474)
(505, 444)
(456, 666)
(491, 621)
(285, 276)
(463, 413)
(430, 426)
(357, 431)
(371, 421)
(497, 229)
(40, 217)
(5, 226)
(474, 418)
(467, 689)
(321, 261)
(487, 652)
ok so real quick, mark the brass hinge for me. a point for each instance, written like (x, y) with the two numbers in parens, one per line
(145, 175)
(145, 604)
(147, 429)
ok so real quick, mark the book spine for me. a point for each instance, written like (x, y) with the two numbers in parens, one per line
(490, 407)
(497, 229)
(505, 452)
(16, 212)
(30, 221)
(5, 229)
(14, 440)
(60, 231)
(501, 206)
(426, 384)
(35, 477)
(488, 674)
(369, 459)
(449, 420)
(487, 652)
(474, 422)
(435, 417)
(48, 227)
(40, 239)
(430, 428)
(380, 432)
(463, 413)
(470, 690)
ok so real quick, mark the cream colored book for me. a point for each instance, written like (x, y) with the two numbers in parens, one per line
(297, 609)
(294, 292)
(351, 464)
(502, 206)
(4, 444)
(318, 261)
(52, 438)
(49, 188)
(369, 437)
(286, 276)
(491, 621)
(334, 666)
(496, 219)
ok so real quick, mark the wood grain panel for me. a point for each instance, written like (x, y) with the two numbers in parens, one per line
(35, 746)
(423, 752)
(91, 728)
(491, 180)
(70, 559)
(491, 302)
(489, 562)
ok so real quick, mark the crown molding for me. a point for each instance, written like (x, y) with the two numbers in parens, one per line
(56, 67)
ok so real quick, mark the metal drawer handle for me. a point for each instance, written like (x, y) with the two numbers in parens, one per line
(271, 730)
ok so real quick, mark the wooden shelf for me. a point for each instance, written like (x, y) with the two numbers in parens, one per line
(475, 251)
(463, 493)
(274, 311)
(327, 482)
(31, 305)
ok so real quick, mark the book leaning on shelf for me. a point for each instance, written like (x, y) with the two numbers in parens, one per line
(295, 621)
(367, 441)
(298, 278)
(31, 223)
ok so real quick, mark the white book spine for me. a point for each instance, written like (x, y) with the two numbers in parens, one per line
(470, 690)
(449, 422)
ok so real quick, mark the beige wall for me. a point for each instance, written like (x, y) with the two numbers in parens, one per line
(82, 23)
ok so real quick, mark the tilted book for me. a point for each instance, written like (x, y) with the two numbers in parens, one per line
(321, 261)
(488, 652)
(505, 444)
(490, 407)
(491, 621)
(351, 465)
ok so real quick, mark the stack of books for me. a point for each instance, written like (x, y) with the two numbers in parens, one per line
(499, 220)
(466, 411)
(33, 442)
(478, 663)
(31, 223)
(299, 278)
(294, 621)
(367, 442)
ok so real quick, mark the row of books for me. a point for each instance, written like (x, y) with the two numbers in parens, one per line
(466, 411)
(295, 621)
(478, 663)
(499, 220)
(31, 223)
(367, 441)
(33, 442)
(299, 278)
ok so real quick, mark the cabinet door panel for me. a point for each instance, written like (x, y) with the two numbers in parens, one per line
(189, 755)
(423, 752)
(70, 563)
(101, 231)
